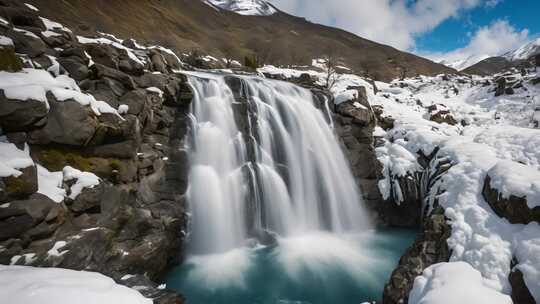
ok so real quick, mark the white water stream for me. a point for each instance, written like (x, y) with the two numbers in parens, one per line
(294, 181)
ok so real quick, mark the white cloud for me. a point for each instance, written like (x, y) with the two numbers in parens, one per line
(492, 40)
(393, 22)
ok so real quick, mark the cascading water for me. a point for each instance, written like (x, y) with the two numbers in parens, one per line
(301, 180)
(265, 165)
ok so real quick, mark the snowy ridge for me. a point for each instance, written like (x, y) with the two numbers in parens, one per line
(462, 64)
(524, 52)
(244, 7)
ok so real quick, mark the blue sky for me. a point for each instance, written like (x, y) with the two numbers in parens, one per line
(455, 33)
(438, 29)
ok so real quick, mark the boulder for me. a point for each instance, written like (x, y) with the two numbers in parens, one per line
(88, 201)
(102, 71)
(77, 69)
(21, 115)
(501, 86)
(69, 123)
(28, 44)
(513, 208)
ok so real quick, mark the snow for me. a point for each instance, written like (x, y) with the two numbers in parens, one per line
(462, 64)
(511, 178)
(28, 285)
(123, 109)
(83, 180)
(12, 159)
(5, 41)
(3, 21)
(30, 6)
(244, 7)
(451, 283)
(50, 184)
(34, 84)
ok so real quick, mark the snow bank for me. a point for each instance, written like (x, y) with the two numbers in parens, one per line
(452, 283)
(29, 285)
(83, 180)
(511, 178)
(12, 159)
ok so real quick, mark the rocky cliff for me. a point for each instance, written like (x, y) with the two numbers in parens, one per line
(93, 136)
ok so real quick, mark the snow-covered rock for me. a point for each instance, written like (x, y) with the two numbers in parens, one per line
(451, 283)
(28, 285)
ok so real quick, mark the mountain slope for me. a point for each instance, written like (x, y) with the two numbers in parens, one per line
(278, 39)
(520, 57)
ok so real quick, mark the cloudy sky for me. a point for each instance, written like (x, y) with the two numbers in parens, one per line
(438, 29)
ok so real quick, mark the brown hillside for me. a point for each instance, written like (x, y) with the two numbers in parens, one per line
(279, 39)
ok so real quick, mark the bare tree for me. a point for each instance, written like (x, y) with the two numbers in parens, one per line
(330, 63)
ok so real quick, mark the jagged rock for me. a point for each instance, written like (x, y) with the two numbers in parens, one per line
(429, 248)
(22, 186)
(77, 70)
(408, 212)
(537, 60)
(75, 52)
(514, 209)
(520, 292)
(64, 116)
(103, 54)
(21, 115)
(385, 122)
(501, 86)
(88, 201)
(101, 71)
(30, 219)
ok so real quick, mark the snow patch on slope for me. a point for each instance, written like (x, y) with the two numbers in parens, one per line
(244, 7)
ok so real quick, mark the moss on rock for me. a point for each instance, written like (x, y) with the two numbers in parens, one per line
(9, 61)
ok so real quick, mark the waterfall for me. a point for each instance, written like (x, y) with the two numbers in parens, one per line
(264, 158)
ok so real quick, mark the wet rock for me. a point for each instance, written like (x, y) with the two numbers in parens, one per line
(429, 248)
(513, 208)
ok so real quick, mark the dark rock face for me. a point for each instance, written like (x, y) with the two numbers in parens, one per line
(520, 292)
(134, 222)
(514, 209)
(429, 248)
(354, 127)
(17, 115)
